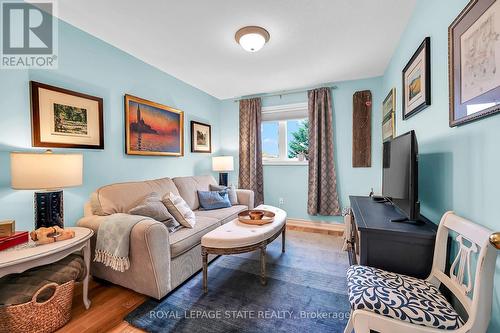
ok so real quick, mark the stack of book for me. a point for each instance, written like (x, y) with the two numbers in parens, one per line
(9, 237)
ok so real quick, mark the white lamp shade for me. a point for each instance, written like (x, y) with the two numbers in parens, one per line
(37, 171)
(222, 163)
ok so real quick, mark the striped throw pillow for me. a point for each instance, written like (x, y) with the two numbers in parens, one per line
(179, 210)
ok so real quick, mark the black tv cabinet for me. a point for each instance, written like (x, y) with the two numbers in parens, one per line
(400, 247)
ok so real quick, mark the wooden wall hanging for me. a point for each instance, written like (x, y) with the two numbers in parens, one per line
(361, 129)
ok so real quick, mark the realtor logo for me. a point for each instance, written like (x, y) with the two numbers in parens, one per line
(29, 38)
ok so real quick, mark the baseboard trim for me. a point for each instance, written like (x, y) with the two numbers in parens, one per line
(335, 229)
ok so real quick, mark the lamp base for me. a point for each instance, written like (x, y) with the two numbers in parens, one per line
(223, 178)
(49, 210)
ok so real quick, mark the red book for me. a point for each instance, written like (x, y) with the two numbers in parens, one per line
(17, 238)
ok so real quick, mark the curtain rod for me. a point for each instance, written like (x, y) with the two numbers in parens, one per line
(285, 92)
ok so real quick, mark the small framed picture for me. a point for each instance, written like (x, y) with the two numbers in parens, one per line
(201, 137)
(153, 129)
(388, 116)
(417, 81)
(63, 118)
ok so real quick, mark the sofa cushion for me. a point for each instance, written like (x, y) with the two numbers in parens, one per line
(180, 210)
(224, 215)
(210, 200)
(121, 197)
(189, 186)
(231, 191)
(152, 206)
(185, 239)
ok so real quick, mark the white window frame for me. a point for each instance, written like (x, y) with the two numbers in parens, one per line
(281, 114)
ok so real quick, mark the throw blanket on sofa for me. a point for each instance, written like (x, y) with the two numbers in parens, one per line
(113, 239)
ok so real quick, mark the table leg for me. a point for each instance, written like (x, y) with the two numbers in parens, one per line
(86, 259)
(204, 255)
(263, 265)
(283, 240)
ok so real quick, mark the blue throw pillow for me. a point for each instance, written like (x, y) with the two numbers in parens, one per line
(213, 199)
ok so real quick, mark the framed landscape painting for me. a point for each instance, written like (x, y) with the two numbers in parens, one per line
(201, 137)
(152, 128)
(388, 115)
(62, 118)
(417, 81)
(474, 62)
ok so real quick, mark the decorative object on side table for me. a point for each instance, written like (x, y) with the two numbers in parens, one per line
(49, 173)
(65, 119)
(388, 116)
(474, 78)
(50, 235)
(417, 81)
(7, 228)
(201, 137)
(222, 164)
(152, 128)
(15, 239)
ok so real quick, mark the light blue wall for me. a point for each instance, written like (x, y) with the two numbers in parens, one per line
(89, 65)
(290, 182)
(458, 166)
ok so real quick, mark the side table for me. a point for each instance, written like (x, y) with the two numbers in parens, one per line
(24, 257)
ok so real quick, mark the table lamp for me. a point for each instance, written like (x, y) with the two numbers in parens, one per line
(222, 164)
(46, 173)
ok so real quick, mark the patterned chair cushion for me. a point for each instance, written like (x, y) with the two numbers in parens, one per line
(400, 297)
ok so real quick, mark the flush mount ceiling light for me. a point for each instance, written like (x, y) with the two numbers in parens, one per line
(252, 38)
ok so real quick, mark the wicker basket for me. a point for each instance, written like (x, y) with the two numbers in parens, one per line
(38, 317)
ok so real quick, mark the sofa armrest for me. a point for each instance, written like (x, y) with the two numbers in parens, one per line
(245, 197)
(149, 255)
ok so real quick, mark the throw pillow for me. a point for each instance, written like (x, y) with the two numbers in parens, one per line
(231, 191)
(180, 210)
(213, 199)
(153, 207)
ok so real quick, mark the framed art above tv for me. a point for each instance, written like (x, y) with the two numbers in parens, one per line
(473, 50)
(417, 81)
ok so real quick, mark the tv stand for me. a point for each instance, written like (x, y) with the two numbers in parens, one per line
(406, 247)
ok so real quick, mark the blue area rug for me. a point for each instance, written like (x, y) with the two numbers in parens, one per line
(305, 292)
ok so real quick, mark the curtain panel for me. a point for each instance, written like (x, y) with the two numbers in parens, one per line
(322, 188)
(251, 175)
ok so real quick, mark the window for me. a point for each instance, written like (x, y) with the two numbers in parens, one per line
(285, 134)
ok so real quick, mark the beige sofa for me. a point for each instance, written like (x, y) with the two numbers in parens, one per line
(159, 261)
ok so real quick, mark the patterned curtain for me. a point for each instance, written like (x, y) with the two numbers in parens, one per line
(322, 197)
(251, 174)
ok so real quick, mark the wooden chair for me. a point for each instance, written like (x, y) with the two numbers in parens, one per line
(392, 303)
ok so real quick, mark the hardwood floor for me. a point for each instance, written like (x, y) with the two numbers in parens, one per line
(333, 229)
(110, 304)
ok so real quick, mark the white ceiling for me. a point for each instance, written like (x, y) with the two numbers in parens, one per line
(312, 41)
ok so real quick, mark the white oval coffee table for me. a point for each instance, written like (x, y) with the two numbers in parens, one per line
(26, 256)
(236, 237)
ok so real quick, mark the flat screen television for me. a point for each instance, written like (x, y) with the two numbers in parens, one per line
(400, 174)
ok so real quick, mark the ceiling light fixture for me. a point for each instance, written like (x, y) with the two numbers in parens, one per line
(252, 38)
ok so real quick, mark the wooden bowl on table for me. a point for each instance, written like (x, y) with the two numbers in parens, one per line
(256, 217)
